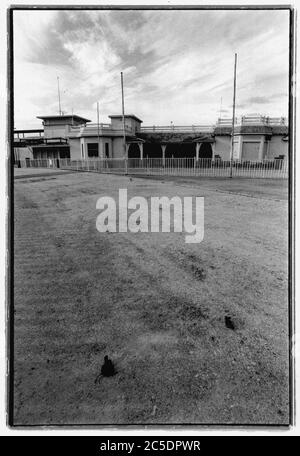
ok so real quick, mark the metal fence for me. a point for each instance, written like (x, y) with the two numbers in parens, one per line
(168, 167)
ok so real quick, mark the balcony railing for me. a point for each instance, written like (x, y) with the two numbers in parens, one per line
(28, 134)
(178, 129)
(102, 127)
(91, 126)
(253, 120)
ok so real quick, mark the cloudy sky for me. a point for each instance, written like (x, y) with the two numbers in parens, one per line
(177, 65)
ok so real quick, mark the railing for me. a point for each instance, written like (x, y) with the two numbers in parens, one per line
(253, 120)
(226, 122)
(177, 129)
(169, 166)
(276, 121)
(101, 125)
(244, 120)
(22, 136)
(91, 125)
(93, 128)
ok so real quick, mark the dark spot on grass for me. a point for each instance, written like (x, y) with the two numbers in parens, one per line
(192, 257)
(88, 191)
(199, 273)
(229, 323)
(29, 205)
(97, 348)
(189, 311)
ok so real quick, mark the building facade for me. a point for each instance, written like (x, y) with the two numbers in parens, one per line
(256, 138)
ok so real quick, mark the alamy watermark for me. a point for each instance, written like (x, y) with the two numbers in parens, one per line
(163, 214)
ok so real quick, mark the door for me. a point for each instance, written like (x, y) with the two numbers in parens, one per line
(250, 151)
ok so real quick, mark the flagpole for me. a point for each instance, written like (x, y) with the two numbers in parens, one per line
(98, 128)
(233, 115)
(59, 106)
(123, 119)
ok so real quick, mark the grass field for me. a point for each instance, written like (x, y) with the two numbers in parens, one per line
(151, 302)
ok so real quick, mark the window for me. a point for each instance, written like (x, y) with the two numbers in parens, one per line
(106, 150)
(92, 149)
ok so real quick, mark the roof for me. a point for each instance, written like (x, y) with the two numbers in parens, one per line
(134, 139)
(68, 116)
(117, 116)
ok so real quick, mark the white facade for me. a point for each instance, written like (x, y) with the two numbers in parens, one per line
(255, 139)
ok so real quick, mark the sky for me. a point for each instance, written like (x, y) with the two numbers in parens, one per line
(177, 65)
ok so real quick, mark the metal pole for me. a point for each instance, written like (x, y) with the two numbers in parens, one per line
(59, 106)
(233, 115)
(123, 118)
(98, 128)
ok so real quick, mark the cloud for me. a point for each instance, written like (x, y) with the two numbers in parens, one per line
(176, 64)
(259, 100)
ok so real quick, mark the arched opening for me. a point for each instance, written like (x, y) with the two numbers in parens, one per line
(205, 150)
(134, 151)
(152, 150)
(180, 150)
(180, 154)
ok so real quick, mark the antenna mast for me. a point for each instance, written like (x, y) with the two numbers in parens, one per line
(221, 108)
(59, 105)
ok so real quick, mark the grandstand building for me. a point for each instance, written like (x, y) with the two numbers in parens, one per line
(256, 138)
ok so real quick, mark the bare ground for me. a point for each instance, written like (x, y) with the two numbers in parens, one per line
(151, 302)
